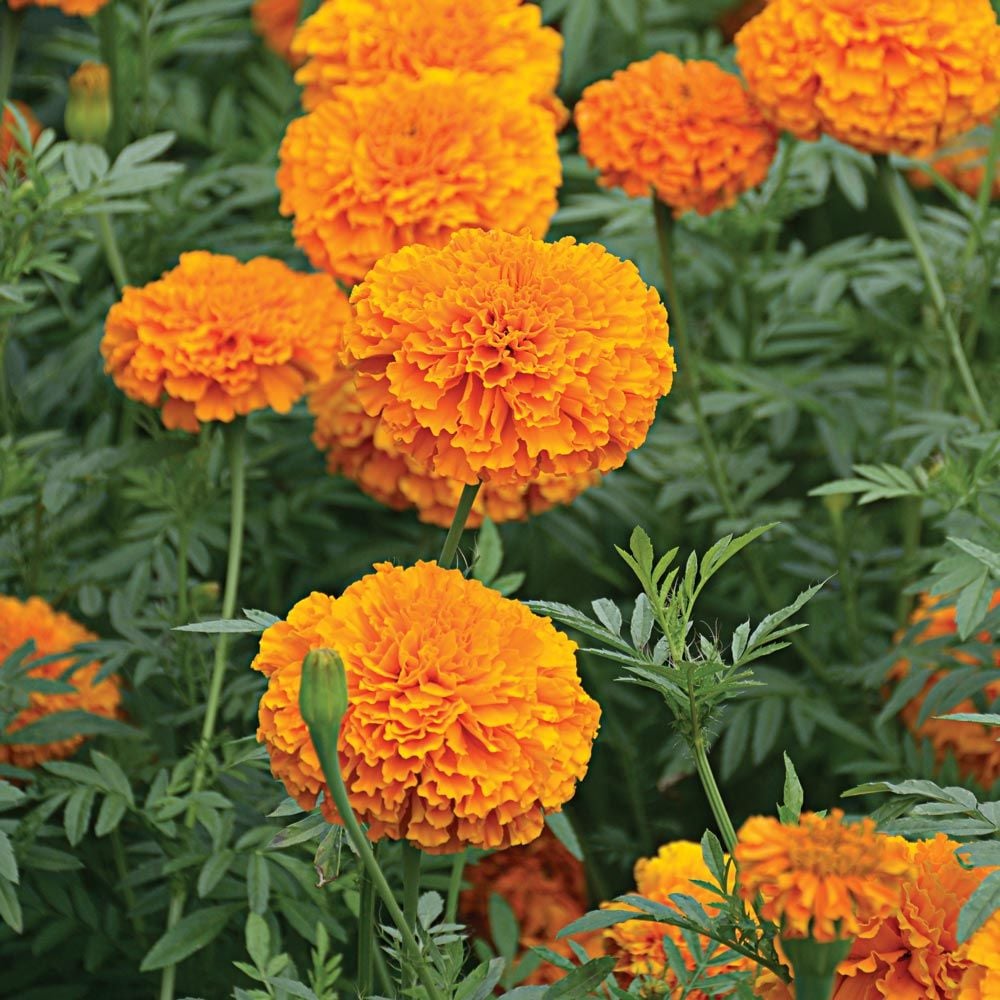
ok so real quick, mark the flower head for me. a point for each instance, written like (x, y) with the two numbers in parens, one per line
(883, 76)
(974, 747)
(378, 168)
(357, 446)
(638, 944)
(823, 878)
(52, 632)
(981, 980)
(686, 130)
(466, 720)
(914, 951)
(963, 164)
(545, 888)
(366, 42)
(88, 109)
(275, 21)
(214, 338)
(71, 8)
(500, 357)
(9, 142)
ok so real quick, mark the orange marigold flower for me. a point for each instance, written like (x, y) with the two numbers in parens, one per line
(638, 944)
(884, 76)
(981, 980)
(71, 8)
(686, 130)
(500, 357)
(914, 951)
(365, 42)
(378, 168)
(8, 140)
(962, 164)
(974, 747)
(275, 21)
(545, 888)
(52, 632)
(357, 446)
(214, 338)
(822, 878)
(466, 724)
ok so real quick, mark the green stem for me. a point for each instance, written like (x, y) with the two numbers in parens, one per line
(108, 33)
(848, 588)
(145, 70)
(454, 887)
(10, 23)
(784, 167)
(183, 540)
(6, 409)
(112, 253)
(236, 448)
(903, 206)
(814, 986)
(366, 936)
(326, 749)
(690, 377)
(712, 793)
(975, 237)
(122, 869)
(411, 895)
(465, 502)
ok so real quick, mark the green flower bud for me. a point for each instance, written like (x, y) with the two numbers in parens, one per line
(88, 110)
(323, 695)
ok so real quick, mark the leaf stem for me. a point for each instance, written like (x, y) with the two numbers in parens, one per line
(112, 252)
(411, 895)
(454, 887)
(465, 502)
(712, 793)
(108, 33)
(366, 935)
(902, 204)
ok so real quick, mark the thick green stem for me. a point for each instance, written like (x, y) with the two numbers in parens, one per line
(112, 253)
(366, 936)
(411, 895)
(902, 204)
(689, 376)
(712, 793)
(465, 502)
(10, 29)
(454, 887)
(236, 448)
(111, 45)
(814, 986)
(145, 69)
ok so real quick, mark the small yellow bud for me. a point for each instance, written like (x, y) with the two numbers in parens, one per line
(88, 110)
(204, 596)
(837, 503)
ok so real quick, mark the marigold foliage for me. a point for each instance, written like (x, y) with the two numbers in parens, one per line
(981, 980)
(466, 724)
(686, 130)
(52, 632)
(974, 747)
(883, 76)
(822, 878)
(8, 139)
(378, 168)
(357, 446)
(545, 888)
(500, 357)
(275, 21)
(638, 944)
(213, 338)
(366, 42)
(914, 951)
(71, 8)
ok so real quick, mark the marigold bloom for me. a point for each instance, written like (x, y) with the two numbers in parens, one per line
(884, 76)
(275, 21)
(8, 140)
(822, 878)
(974, 747)
(366, 42)
(686, 130)
(914, 951)
(466, 723)
(52, 632)
(981, 980)
(378, 168)
(500, 357)
(962, 164)
(357, 446)
(214, 338)
(638, 944)
(545, 888)
(71, 8)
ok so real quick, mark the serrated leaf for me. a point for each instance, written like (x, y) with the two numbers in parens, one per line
(8, 862)
(504, 927)
(229, 625)
(596, 920)
(188, 936)
(212, 870)
(641, 626)
(10, 907)
(793, 794)
(258, 939)
(582, 980)
(608, 614)
(560, 825)
(77, 815)
(981, 905)
(489, 552)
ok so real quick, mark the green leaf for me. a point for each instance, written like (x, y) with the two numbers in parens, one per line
(212, 870)
(489, 552)
(230, 625)
(608, 614)
(77, 816)
(560, 825)
(791, 807)
(981, 905)
(8, 863)
(110, 814)
(113, 775)
(578, 27)
(258, 883)
(10, 907)
(504, 928)
(65, 725)
(582, 980)
(642, 621)
(258, 939)
(188, 936)
(596, 920)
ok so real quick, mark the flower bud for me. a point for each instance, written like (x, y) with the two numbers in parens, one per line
(323, 695)
(88, 110)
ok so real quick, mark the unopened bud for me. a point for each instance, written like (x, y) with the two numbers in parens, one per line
(88, 110)
(837, 503)
(323, 695)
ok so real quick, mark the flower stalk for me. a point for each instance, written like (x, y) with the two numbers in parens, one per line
(465, 502)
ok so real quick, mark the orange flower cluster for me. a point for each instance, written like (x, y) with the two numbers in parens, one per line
(410, 161)
(914, 952)
(883, 76)
(982, 975)
(8, 123)
(962, 164)
(275, 21)
(466, 723)
(52, 632)
(215, 338)
(545, 888)
(823, 878)
(500, 357)
(686, 130)
(71, 8)
(638, 944)
(974, 747)
(358, 447)
(366, 42)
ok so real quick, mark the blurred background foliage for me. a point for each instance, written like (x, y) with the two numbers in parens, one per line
(820, 364)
